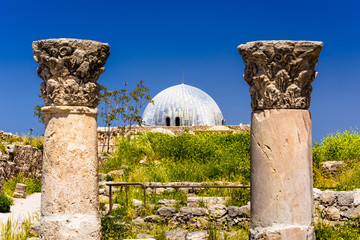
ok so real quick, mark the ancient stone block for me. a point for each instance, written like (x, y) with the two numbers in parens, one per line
(20, 190)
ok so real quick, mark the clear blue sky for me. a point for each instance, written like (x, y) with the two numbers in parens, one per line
(152, 40)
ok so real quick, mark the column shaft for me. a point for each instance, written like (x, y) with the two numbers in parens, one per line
(281, 175)
(69, 203)
(279, 74)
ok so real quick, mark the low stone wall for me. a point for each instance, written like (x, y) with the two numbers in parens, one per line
(20, 160)
(336, 206)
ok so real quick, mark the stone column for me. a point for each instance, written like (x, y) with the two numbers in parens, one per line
(69, 197)
(280, 74)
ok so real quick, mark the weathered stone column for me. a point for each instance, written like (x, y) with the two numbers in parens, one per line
(280, 74)
(69, 198)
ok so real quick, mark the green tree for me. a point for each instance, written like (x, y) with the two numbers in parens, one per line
(123, 106)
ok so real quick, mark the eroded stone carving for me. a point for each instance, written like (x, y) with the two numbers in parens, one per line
(280, 73)
(70, 69)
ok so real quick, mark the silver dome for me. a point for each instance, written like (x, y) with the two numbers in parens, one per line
(182, 105)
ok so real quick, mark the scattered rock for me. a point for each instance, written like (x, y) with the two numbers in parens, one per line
(357, 197)
(208, 201)
(167, 202)
(34, 230)
(176, 235)
(332, 167)
(137, 203)
(345, 198)
(138, 221)
(117, 173)
(333, 213)
(166, 211)
(20, 190)
(328, 197)
(153, 218)
(194, 211)
(199, 235)
(144, 236)
(217, 210)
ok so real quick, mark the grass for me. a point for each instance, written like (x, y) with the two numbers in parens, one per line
(338, 147)
(16, 230)
(37, 142)
(185, 157)
(213, 157)
(32, 185)
(347, 231)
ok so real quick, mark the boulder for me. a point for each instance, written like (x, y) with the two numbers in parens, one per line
(234, 211)
(153, 218)
(117, 173)
(138, 221)
(194, 211)
(217, 210)
(328, 197)
(345, 198)
(20, 190)
(137, 203)
(176, 235)
(166, 211)
(199, 235)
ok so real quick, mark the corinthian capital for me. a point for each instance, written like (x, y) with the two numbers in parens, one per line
(280, 73)
(70, 69)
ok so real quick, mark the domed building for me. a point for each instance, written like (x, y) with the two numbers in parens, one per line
(182, 105)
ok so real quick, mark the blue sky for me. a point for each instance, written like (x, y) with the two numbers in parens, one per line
(152, 40)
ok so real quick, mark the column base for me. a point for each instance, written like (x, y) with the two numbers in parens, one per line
(70, 227)
(283, 233)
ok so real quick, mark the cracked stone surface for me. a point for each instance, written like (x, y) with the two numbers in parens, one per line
(281, 174)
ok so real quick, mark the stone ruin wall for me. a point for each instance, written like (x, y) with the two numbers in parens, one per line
(19, 160)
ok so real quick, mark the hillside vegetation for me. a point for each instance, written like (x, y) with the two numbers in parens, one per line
(195, 158)
(208, 156)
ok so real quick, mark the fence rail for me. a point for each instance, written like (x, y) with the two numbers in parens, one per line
(144, 186)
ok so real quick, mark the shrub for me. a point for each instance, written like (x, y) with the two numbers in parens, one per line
(339, 146)
(200, 157)
(5, 203)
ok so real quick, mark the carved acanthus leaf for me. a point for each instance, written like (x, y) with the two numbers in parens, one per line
(70, 69)
(280, 73)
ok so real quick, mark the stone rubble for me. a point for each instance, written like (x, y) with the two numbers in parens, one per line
(20, 190)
